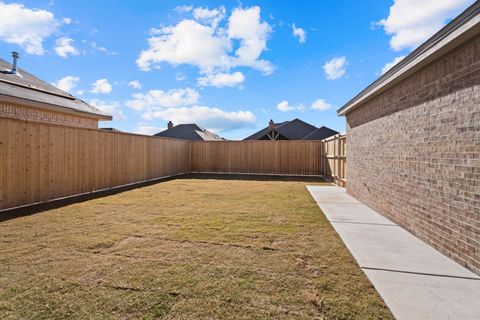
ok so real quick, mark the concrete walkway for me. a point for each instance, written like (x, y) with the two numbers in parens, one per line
(414, 280)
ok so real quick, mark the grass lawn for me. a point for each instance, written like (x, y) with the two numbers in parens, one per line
(217, 248)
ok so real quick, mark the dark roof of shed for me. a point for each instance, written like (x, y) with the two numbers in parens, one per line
(189, 131)
(295, 129)
(24, 85)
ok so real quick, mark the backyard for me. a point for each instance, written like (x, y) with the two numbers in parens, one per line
(217, 247)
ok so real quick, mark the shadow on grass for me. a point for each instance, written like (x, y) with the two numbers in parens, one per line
(252, 177)
(10, 214)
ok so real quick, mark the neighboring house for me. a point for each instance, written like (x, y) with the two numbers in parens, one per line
(295, 129)
(188, 131)
(414, 141)
(24, 96)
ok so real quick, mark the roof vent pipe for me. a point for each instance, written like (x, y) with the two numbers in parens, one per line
(15, 56)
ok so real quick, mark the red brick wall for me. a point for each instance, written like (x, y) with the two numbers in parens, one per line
(24, 112)
(414, 154)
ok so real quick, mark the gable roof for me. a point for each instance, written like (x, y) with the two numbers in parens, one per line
(189, 131)
(25, 86)
(295, 129)
(461, 29)
(262, 133)
(320, 134)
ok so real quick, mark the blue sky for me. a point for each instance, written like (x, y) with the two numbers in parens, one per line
(229, 66)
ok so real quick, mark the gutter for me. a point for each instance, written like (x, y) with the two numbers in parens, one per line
(458, 31)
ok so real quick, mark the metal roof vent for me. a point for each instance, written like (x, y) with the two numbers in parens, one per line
(15, 57)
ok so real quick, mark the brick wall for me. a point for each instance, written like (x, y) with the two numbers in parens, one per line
(24, 112)
(414, 154)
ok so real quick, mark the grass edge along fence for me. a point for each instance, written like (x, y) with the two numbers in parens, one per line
(42, 161)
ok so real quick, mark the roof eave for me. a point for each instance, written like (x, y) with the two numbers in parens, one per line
(458, 31)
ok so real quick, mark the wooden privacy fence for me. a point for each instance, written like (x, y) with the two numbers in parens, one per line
(335, 158)
(257, 157)
(41, 162)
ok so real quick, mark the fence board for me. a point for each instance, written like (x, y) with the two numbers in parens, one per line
(335, 158)
(42, 161)
(257, 157)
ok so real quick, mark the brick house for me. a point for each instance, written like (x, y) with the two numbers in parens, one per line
(24, 96)
(414, 141)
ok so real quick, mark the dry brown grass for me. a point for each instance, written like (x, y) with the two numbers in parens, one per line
(184, 249)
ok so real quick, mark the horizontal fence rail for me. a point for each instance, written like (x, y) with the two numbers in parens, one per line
(41, 161)
(257, 157)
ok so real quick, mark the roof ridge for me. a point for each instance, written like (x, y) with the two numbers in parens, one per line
(308, 135)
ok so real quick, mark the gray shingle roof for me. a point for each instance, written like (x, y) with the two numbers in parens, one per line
(26, 86)
(189, 132)
(320, 134)
(295, 129)
(259, 135)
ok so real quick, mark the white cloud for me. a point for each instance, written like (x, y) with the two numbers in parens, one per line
(159, 99)
(335, 68)
(26, 27)
(135, 84)
(213, 119)
(181, 106)
(97, 47)
(321, 105)
(189, 42)
(67, 83)
(149, 130)
(222, 79)
(299, 33)
(389, 65)
(67, 20)
(109, 107)
(179, 76)
(246, 25)
(210, 17)
(203, 43)
(101, 86)
(411, 22)
(184, 8)
(64, 47)
(284, 106)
